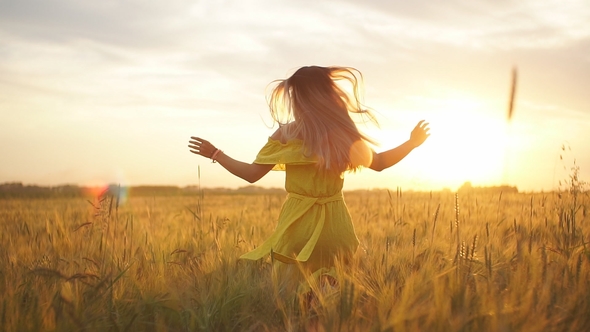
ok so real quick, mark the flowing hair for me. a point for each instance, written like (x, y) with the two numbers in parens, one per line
(318, 111)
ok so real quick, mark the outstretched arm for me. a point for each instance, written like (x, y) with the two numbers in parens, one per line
(391, 157)
(249, 172)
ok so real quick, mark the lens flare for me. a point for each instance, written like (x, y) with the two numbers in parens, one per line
(95, 191)
(121, 193)
(117, 189)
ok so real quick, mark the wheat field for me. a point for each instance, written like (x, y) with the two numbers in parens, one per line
(435, 261)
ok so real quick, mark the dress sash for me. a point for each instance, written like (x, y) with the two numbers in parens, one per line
(287, 218)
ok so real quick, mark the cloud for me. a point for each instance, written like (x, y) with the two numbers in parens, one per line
(256, 28)
(480, 25)
(209, 48)
(129, 23)
(236, 40)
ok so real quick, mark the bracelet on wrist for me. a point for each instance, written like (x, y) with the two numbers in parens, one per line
(214, 155)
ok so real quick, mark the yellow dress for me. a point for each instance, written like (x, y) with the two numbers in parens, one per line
(314, 225)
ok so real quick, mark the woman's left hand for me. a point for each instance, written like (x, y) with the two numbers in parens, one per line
(201, 147)
(419, 134)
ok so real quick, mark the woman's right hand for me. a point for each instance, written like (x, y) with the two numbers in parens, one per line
(201, 147)
(419, 134)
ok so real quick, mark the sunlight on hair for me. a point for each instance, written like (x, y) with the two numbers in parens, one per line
(319, 111)
(361, 154)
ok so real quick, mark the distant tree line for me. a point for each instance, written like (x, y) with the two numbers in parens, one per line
(468, 188)
(19, 190)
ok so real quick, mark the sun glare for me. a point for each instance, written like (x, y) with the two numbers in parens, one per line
(467, 143)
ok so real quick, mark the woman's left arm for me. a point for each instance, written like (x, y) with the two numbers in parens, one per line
(391, 157)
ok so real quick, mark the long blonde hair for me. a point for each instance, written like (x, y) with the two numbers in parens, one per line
(318, 112)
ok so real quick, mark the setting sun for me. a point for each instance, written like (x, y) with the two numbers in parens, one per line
(468, 143)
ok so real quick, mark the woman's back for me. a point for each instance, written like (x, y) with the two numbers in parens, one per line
(303, 176)
(309, 180)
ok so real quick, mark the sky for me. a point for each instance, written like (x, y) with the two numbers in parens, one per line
(98, 92)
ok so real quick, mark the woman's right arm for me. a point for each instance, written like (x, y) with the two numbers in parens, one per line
(249, 172)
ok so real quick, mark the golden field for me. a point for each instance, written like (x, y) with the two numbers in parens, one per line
(427, 262)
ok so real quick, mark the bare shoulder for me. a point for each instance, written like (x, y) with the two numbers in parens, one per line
(283, 134)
